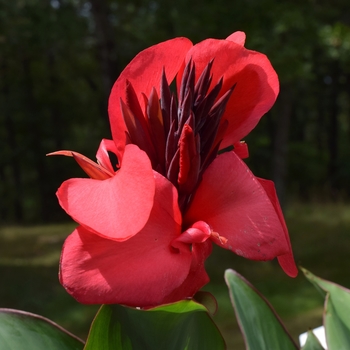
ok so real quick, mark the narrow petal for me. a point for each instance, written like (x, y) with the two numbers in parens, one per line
(256, 82)
(234, 203)
(115, 208)
(144, 72)
(286, 260)
(103, 157)
(94, 170)
(141, 271)
(189, 160)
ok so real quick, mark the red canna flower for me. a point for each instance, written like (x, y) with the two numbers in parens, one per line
(148, 219)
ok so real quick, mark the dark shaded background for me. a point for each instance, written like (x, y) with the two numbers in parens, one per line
(59, 59)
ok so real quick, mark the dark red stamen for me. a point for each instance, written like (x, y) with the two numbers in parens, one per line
(138, 131)
(181, 138)
(156, 123)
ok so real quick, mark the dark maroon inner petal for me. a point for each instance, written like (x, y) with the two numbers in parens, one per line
(180, 134)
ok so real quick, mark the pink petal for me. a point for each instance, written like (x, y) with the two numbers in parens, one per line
(287, 260)
(233, 202)
(237, 37)
(256, 82)
(141, 271)
(115, 208)
(144, 72)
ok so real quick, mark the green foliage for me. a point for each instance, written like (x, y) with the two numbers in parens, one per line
(312, 342)
(24, 331)
(49, 99)
(179, 326)
(337, 312)
(262, 329)
(259, 323)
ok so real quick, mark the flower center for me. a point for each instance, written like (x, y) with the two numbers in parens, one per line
(180, 134)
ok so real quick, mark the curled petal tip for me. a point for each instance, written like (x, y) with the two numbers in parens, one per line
(60, 153)
(237, 37)
(94, 170)
(287, 263)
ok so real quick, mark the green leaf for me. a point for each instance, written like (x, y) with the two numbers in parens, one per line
(337, 312)
(312, 342)
(317, 282)
(208, 300)
(21, 330)
(337, 332)
(183, 325)
(338, 295)
(260, 325)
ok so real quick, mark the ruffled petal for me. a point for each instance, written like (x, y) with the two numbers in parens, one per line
(144, 73)
(197, 277)
(286, 260)
(141, 271)
(256, 82)
(116, 208)
(234, 203)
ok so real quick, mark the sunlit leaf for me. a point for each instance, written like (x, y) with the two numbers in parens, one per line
(183, 325)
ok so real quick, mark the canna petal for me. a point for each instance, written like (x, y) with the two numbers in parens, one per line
(234, 203)
(197, 276)
(116, 208)
(92, 169)
(237, 37)
(256, 82)
(141, 271)
(287, 260)
(144, 72)
(241, 149)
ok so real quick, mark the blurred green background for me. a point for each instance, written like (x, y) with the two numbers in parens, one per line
(58, 61)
